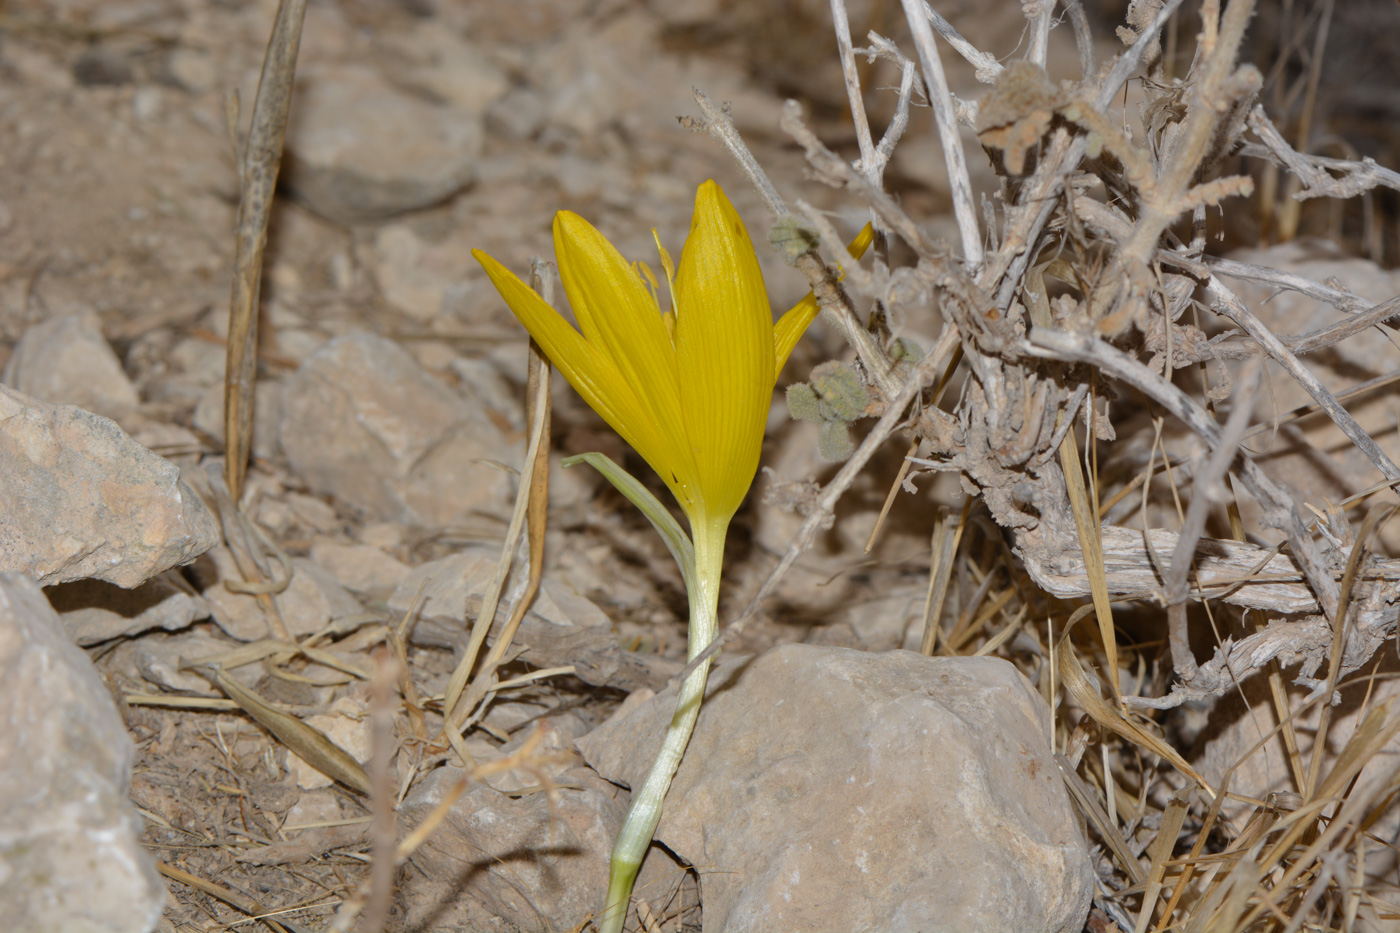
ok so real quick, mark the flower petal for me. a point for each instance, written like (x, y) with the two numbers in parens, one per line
(724, 351)
(620, 318)
(794, 323)
(592, 374)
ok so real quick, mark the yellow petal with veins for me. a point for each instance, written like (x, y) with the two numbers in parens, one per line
(724, 340)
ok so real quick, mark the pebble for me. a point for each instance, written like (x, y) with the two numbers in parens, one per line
(362, 422)
(66, 360)
(361, 150)
(311, 600)
(347, 726)
(82, 499)
(360, 568)
(831, 789)
(561, 627)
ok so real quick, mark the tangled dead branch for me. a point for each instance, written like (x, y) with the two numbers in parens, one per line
(1032, 361)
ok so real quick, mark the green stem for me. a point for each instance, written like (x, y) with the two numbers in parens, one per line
(640, 825)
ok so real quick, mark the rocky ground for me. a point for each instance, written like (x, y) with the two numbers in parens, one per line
(390, 429)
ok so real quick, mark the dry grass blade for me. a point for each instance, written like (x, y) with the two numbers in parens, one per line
(531, 504)
(1369, 525)
(1083, 692)
(536, 509)
(247, 544)
(947, 533)
(1107, 828)
(1191, 861)
(261, 161)
(307, 742)
(244, 903)
(1087, 525)
(1162, 847)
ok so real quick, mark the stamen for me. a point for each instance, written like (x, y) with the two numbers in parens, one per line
(649, 277)
(670, 269)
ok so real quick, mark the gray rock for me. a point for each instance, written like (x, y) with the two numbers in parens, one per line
(561, 627)
(363, 422)
(70, 851)
(360, 568)
(93, 611)
(362, 150)
(161, 660)
(82, 499)
(538, 867)
(67, 361)
(830, 789)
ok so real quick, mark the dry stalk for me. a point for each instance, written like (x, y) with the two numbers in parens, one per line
(258, 169)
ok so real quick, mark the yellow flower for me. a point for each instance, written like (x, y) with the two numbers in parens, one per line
(690, 389)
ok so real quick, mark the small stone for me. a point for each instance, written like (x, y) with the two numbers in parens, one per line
(67, 361)
(312, 512)
(82, 499)
(311, 600)
(72, 858)
(360, 568)
(537, 864)
(384, 535)
(146, 104)
(192, 69)
(362, 150)
(402, 276)
(459, 74)
(361, 421)
(483, 382)
(161, 661)
(452, 592)
(101, 65)
(314, 807)
(830, 789)
(347, 726)
(93, 611)
(520, 114)
(894, 619)
(561, 627)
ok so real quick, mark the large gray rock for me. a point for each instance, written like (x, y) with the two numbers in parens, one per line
(66, 360)
(363, 422)
(81, 499)
(360, 149)
(70, 852)
(831, 789)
